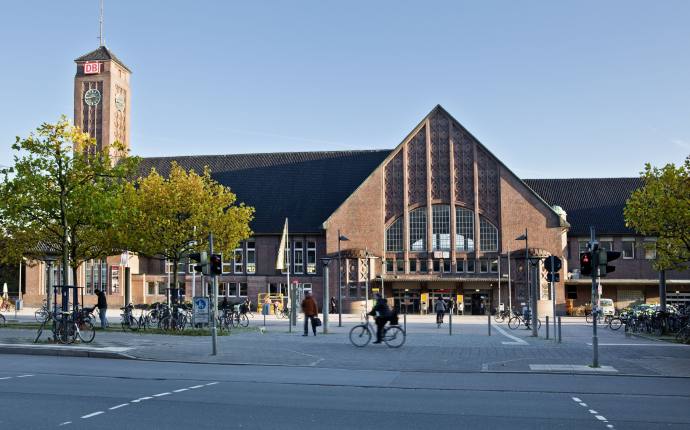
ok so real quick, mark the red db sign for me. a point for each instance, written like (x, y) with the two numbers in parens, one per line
(92, 68)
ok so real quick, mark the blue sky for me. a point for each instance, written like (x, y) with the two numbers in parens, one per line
(554, 89)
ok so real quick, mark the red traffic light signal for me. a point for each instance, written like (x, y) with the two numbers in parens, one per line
(586, 263)
(216, 262)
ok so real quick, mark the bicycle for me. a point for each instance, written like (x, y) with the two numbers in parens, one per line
(128, 320)
(393, 335)
(42, 313)
(501, 316)
(518, 319)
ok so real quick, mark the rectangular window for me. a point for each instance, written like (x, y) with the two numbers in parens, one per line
(273, 289)
(231, 288)
(488, 235)
(460, 266)
(299, 257)
(582, 246)
(440, 225)
(418, 229)
(394, 232)
(649, 249)
(162, 290)
(464, 229)
(239, 260)
(606, 244)
(494, 266)
(389, 265)
(227, 263)
(400, 266)
(483, 265)
(413, 266)
(251, 257)
(287, 259)
(223, 288)
(311, 258)
(571, 291)
(151, 288)
(103, 276)
(88, 269)
(628, 251)
(423, 266)
(283, 289)
(437, 265)
(242, 289)
(446, 266)
(470, 266)
(353, 293)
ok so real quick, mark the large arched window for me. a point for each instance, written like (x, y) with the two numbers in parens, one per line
(440, 224)
(418, 229)
(464, 229)
(488, 236)
(394, 236)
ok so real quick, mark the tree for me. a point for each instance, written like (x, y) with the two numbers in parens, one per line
(169, 217)
(61, 195)
(661, 208)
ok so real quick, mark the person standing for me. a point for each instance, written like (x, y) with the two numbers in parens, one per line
(440, 308)
(334, 307)
(310, 310)
(102, 306)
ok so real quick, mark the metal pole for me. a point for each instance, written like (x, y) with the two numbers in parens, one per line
(325, 299)
(553, 298)
(193, 284)
(450, 323)
(559, 330)
(595, 293)
(533, 295)
(662, 290)
(547, 327)
(489, 320)
(214, 300)
(340, 288)
(510, 292)
(498, 308)
(366, 284)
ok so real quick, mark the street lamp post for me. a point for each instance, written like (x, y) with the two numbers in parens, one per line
(532, 302)
(326, 296)
(340, 283)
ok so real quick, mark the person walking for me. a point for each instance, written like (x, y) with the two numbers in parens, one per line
(440, 308)
(102, 306)
(381, 313)
(334, 307)
(311, 311)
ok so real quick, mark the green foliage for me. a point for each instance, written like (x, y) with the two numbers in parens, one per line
(61, 196)
(165, 215)
(662, 209)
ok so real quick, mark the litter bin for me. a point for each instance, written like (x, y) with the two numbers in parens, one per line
(19, 304)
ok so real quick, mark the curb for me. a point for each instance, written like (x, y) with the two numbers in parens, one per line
(63, 352)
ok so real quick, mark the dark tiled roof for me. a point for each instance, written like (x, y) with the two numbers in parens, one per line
(102, 54)
(306, 187)
(589, 201)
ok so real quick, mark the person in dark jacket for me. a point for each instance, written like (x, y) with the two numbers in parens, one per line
(102, 306)
(311, 311)
(381, 313)
(334, 306)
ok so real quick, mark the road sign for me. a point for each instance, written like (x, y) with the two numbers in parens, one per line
(201, 309)
(556, 264)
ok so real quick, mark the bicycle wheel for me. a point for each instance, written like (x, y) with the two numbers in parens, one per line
(538, 324)
(41, 315)
(615, 323)
(360, 335)
(499, 317)
(514, 323)
(86, 332)
(589, 318)
(394, 337)
(244, 321)
(40, 331)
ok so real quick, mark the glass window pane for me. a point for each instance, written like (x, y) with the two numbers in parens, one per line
(440, 227)
(459, 266)
(470, 266)
(423, 266)
(628, 251)
(400, 266)
(464, 229)
(394, 239)
(418, 229)
(488, 234)
(413, 266)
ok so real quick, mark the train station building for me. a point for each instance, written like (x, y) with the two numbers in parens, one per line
(438, 215)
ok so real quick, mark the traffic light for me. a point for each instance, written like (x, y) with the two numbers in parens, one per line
(586, 263)
(216, 264)
(606, 257)
(202, 259)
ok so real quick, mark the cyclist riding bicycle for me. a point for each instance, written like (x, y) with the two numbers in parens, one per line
(381, 313)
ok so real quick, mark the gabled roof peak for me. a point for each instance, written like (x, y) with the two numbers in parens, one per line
(102, 53)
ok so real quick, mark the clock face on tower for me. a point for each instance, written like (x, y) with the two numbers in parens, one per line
(92, 97)
(120, 102)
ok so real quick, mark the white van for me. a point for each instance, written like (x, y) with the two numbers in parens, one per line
(607, 307)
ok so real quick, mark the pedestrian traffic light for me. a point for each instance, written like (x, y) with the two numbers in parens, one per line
(216, 264)
(606, 257)
(202, 259)
(586, 263)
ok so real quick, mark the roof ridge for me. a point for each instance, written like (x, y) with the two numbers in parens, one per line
(347, 151)
(582, 179)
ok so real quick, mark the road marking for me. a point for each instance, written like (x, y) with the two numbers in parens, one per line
(600, 418)
(609, 426)
(65, 423)
(161, 394)
(570, 368)
(118, 406)
(583, 404)
(662, 344)
(592, 411)
(93, 414)
(194, 387)
(6, 377)
(212, 383)
(180, 390)
(576, 399)
(24, 376)
(516, 340)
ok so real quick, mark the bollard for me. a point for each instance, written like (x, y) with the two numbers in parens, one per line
(489, 319)
(547, 328)
(559, 330)
(450, 323)
(264, 320)
(405, 321)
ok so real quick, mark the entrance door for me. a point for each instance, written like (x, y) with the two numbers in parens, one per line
(480, 304)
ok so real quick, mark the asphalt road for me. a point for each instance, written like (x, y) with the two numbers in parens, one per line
(60, 392)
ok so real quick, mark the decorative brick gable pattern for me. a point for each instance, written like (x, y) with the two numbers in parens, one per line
(440, 157)
(463, 175)
(416, 168)
(394, 187)
(488, 185)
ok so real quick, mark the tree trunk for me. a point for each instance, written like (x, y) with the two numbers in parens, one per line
(176, 262)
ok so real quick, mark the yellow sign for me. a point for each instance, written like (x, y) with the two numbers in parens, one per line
(376, 290)
(459, 299)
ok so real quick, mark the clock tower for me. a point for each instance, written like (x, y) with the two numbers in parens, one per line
(102, 99)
